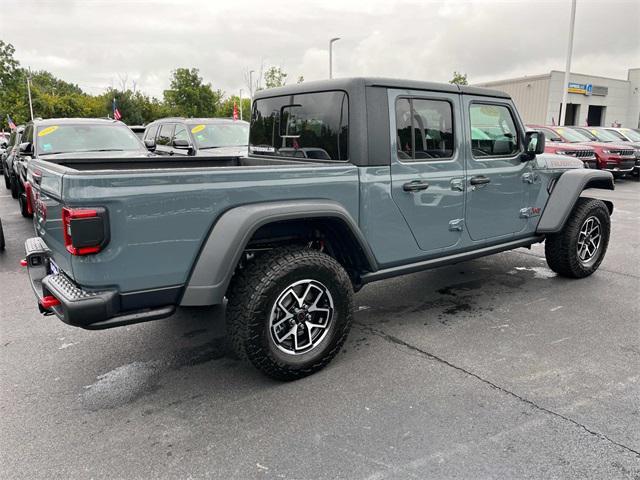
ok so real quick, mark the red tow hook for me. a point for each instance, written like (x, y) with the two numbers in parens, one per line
(49, 301)
(23, 262)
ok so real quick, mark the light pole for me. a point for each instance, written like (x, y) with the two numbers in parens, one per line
(567, 68)
(29, 92)
(251, 84)
(241, 104)
(331, 42)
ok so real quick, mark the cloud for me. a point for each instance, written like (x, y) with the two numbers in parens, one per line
(96, 42)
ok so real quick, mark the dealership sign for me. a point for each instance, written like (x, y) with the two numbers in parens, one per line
(583, 88)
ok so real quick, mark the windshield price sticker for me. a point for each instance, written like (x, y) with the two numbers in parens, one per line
(47, 130)
(197, 128)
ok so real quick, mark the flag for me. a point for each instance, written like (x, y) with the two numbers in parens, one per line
(12, 125)
(116, 113)
(235, 111)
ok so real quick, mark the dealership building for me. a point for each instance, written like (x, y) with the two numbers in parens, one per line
(593, 101)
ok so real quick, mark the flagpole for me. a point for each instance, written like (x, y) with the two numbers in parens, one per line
(567, 69)
(29, 91)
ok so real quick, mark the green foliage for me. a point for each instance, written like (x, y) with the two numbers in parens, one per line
(459, 79)
(275, 77)
(189, 96)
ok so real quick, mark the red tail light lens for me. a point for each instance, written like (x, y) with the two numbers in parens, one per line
(90, 225)
(29, 194)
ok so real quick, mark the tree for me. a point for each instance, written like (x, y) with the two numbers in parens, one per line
(189, 96)
(275, 77)
(459, 79)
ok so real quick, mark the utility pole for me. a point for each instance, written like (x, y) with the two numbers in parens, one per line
(331, 42)
(29, 92)
(567, 68)
(251, 84)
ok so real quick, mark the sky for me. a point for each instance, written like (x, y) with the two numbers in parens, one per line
(110, 43)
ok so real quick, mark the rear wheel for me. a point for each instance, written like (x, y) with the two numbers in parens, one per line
(579, 248)
(1, 237)
(14, 186)
(289, 312)
(24, 209)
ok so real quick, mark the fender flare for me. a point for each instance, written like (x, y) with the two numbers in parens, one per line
(565, 194)
(221, 252)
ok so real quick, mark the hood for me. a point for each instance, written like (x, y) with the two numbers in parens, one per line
(569, 146)
(241, 151)
(606, 145)
(107, 154)
(551, 161)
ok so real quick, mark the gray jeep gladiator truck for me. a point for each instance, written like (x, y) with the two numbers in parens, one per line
(413, 175)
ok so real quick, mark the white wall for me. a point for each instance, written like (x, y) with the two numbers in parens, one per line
(633, 115)
(530, 94)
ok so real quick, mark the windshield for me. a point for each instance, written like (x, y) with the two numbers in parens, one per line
(572, 136)
(214, 135)
(603, 135)
(86, 138)
(631, 134)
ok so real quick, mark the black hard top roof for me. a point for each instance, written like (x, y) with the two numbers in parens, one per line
(220, 120)
(359, 82)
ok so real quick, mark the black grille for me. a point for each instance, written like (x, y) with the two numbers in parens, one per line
(627, 164)
(624, 153)
(581, 153)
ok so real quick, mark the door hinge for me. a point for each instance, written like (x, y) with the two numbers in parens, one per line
(529, 177)
(457, 184)
(456, 225)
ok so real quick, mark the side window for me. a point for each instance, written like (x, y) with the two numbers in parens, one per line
(309, 125)
(150, 134)
(493, 131)
(550, 135)
(181, 133)
(27, 136)
(165, 135)
(424, 129)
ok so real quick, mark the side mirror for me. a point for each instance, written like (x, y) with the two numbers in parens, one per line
(150, 144)
(26, 148)
(182, 144)
(534, 143)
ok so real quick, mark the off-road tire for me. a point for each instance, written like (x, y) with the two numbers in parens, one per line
(1, 237)
(561, 249)
(255, 289)
(13, 185)
(24, 209)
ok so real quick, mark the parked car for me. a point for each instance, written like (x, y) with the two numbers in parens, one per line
(288, 240)
(632, 137)
(625, 152)
(8, 157)
(207, 137)
(138, 130)
(618, 159)
(555, 144)
(55, 139)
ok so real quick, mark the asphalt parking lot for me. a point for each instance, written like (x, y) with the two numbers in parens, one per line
(494, 368)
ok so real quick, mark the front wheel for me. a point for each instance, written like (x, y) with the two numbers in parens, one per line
(579, 248)
(289, 312)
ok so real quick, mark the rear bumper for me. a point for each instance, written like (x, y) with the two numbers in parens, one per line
(77, 306)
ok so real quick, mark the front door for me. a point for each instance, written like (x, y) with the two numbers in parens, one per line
(427, 166)
(496, 175)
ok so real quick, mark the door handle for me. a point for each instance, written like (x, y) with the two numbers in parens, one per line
(415, 186)
(479, 180)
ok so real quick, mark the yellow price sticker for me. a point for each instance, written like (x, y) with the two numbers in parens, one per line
(47, 130)
(197, 128)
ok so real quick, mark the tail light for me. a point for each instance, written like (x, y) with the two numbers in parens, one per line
(85, 230)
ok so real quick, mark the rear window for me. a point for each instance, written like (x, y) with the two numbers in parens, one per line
(310, 126)
(85, 138)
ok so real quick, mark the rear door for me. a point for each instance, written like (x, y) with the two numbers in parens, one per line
(427, 165)
(495, 174)
(164, 139)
